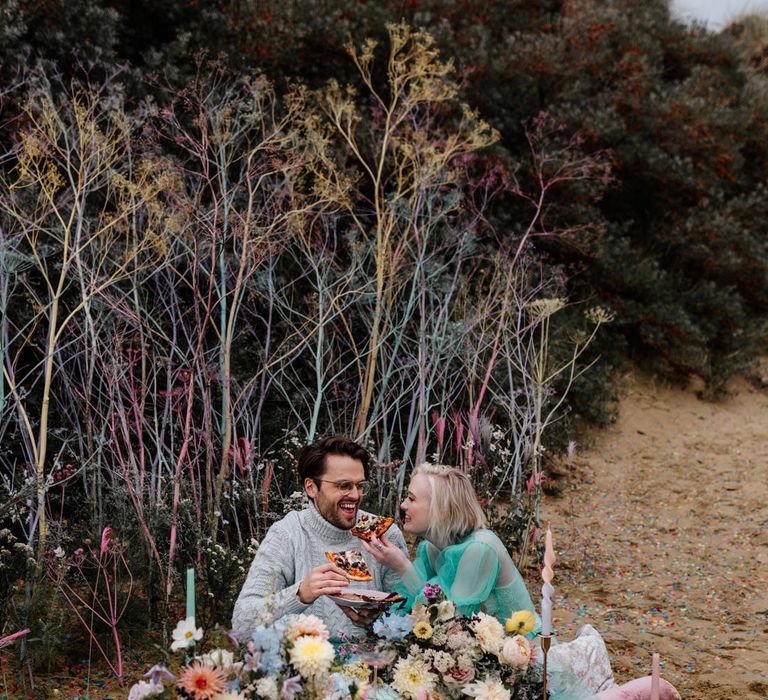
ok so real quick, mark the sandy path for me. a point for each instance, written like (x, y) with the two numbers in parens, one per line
(662, 539)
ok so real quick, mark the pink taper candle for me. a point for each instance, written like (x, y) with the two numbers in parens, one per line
(655, 676)
(547, 590)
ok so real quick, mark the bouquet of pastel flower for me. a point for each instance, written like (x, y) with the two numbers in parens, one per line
(289, 660)
(445, 655)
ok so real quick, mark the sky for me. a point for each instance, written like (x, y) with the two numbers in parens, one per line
(717, 13)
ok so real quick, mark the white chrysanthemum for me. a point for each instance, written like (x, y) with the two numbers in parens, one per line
(305, 625)
(312, 656)
(487, 690)
(186, 634)
(488, 632)
(231, 695)
(516, 652)
(267, 688)
(412, 675)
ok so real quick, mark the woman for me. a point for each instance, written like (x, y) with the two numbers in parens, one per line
(470, 562)
(473, 567)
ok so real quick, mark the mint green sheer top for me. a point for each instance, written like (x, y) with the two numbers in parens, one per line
(477, 574)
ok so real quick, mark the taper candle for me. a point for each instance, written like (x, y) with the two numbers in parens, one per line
(547, 590)
(655, 675)
(191, 593)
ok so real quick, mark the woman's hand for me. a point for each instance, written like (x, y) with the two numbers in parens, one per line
(387, 554)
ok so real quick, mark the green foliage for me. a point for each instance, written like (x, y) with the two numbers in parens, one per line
(221, 574)
(14, 557)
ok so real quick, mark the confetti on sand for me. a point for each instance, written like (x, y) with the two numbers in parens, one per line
(661, 538)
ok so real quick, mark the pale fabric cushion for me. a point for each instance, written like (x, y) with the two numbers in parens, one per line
(586, 658)
(640, 689)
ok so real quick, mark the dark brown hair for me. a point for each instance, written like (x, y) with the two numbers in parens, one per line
(311, 463)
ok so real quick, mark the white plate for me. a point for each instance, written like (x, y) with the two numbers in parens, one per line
(376, 598)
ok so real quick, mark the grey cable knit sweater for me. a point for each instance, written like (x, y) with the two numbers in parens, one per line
(291, 548)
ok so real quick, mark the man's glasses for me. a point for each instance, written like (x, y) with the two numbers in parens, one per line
(346, 486)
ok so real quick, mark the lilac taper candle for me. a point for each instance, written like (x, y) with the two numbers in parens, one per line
(547, 590)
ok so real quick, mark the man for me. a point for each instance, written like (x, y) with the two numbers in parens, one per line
(290, 573)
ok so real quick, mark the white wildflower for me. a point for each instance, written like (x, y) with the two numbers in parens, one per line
(267, 688)
(186, 634)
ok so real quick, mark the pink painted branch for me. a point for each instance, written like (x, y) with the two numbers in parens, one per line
(130, 584)
(111, 595)
(137, 422)
(93, 636)
(568, 164)
(103, 605)
(83, 602)
(538, 208)
(5, 641)
(134, 498)
(177, 477)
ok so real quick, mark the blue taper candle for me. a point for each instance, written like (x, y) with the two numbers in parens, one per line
(191, 593)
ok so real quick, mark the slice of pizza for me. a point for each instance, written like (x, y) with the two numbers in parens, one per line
(370, 526)
(351, 562)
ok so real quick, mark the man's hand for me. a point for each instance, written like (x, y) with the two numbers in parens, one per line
(362, 617)
(327, 579)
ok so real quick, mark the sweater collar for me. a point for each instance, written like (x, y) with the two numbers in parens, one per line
(322, 527)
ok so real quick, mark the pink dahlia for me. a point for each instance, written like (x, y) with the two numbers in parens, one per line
(202, 682)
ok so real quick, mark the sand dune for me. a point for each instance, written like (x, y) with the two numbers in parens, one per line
(662, 538)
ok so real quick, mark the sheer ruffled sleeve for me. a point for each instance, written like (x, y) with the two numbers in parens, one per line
(416, 576)
(467, 573)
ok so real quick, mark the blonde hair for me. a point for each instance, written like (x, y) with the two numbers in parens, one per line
(454, 510)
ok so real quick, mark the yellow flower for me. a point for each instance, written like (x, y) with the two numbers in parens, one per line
(521, 622)
(359, 670)
(423, 630)
(311, 656)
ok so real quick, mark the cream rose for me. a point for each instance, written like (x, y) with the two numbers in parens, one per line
(489, 633)
(516, 652)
